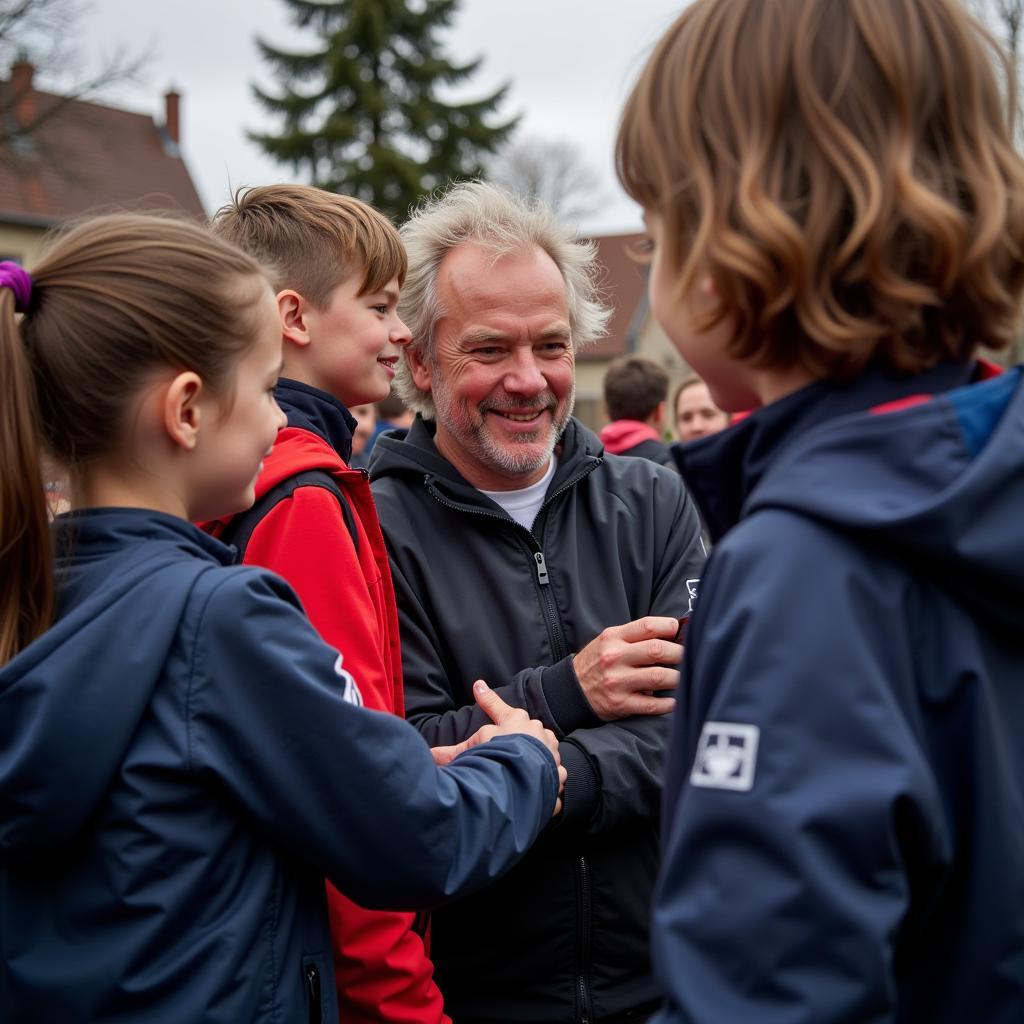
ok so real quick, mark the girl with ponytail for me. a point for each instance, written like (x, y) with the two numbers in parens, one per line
(182, 759)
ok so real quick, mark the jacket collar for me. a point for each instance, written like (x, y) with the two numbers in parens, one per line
(722, 470)
(92, 532)
(309, 408)
(579, 451)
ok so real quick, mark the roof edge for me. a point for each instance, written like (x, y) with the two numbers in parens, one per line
(27, 220)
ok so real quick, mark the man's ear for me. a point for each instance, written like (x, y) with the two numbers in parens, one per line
(181, 408)
(419, 368)
(292, 308)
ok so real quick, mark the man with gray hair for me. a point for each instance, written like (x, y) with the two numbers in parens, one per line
(524, 555)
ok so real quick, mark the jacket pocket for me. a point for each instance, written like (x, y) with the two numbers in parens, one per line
(314, 977)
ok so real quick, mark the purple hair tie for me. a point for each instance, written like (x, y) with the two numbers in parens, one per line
(19, 280)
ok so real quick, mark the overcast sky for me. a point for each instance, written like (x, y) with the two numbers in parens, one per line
(570, 63)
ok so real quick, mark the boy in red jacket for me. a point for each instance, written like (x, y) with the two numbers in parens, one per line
(337, 266)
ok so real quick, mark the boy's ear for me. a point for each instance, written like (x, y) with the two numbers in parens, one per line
(419, 368)
(181, 409)
(291, 307)
(657, 417)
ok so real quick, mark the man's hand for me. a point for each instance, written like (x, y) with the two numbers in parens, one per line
(621, 670)
(507, 721)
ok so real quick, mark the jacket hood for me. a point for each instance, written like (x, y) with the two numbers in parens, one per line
(295, 451)
(935, 477)
(410, 451)
(71, 701)
(621, 435)
(400, 453)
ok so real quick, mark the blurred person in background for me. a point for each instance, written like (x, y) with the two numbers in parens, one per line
(366, 427)
(696, 414)
(635, 392)
(392, 414)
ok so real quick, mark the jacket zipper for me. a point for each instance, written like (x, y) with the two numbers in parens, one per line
(583, 941)
(585, 472)
(560, 650)
(313, 990)
(542, 568)
(559, 647)
(552, 619)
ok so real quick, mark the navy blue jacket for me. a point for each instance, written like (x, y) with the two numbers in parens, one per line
(844, 807)
(182, 763)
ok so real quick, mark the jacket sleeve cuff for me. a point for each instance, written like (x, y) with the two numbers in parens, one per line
(570, 709)
(582, 792)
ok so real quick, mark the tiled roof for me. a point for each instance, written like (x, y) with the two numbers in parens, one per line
(90, 157)
(623, 285)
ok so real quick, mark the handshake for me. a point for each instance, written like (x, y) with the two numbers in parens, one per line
(507, 721)
(621, 672)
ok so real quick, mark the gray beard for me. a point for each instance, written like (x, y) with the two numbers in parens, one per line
(478, 443)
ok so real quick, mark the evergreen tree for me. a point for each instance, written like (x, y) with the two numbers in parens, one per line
(360, 111)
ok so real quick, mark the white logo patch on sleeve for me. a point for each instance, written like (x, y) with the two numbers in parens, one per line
(726, 756)
(350, 692)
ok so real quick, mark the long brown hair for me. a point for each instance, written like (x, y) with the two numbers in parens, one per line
(845, 172)
(112, 300)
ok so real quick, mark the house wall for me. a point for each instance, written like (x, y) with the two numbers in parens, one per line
(21, 244)
(651, 342)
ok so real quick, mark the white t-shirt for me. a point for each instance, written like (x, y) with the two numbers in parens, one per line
(524, 504)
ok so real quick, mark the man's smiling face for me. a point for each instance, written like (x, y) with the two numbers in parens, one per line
(502, 376)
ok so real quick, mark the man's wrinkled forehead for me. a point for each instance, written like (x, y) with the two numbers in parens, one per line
(473, 280)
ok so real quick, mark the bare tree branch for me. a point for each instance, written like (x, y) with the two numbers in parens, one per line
(1006, 19)
(552, 170)
(42, 32)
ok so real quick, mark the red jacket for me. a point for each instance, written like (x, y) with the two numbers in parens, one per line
(621, 435)
(381, 965)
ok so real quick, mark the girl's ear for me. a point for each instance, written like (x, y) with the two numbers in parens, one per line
(291, 307)
(419, 368)
(182, 409)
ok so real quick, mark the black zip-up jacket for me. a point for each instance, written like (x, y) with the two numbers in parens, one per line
(565, 937)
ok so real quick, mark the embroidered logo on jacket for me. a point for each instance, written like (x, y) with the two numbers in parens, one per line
(692, 588)
(350, 692)
(726, 756)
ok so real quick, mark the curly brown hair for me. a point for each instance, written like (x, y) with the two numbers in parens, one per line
(845, 172)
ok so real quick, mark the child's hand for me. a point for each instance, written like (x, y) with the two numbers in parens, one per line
(507, 721)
